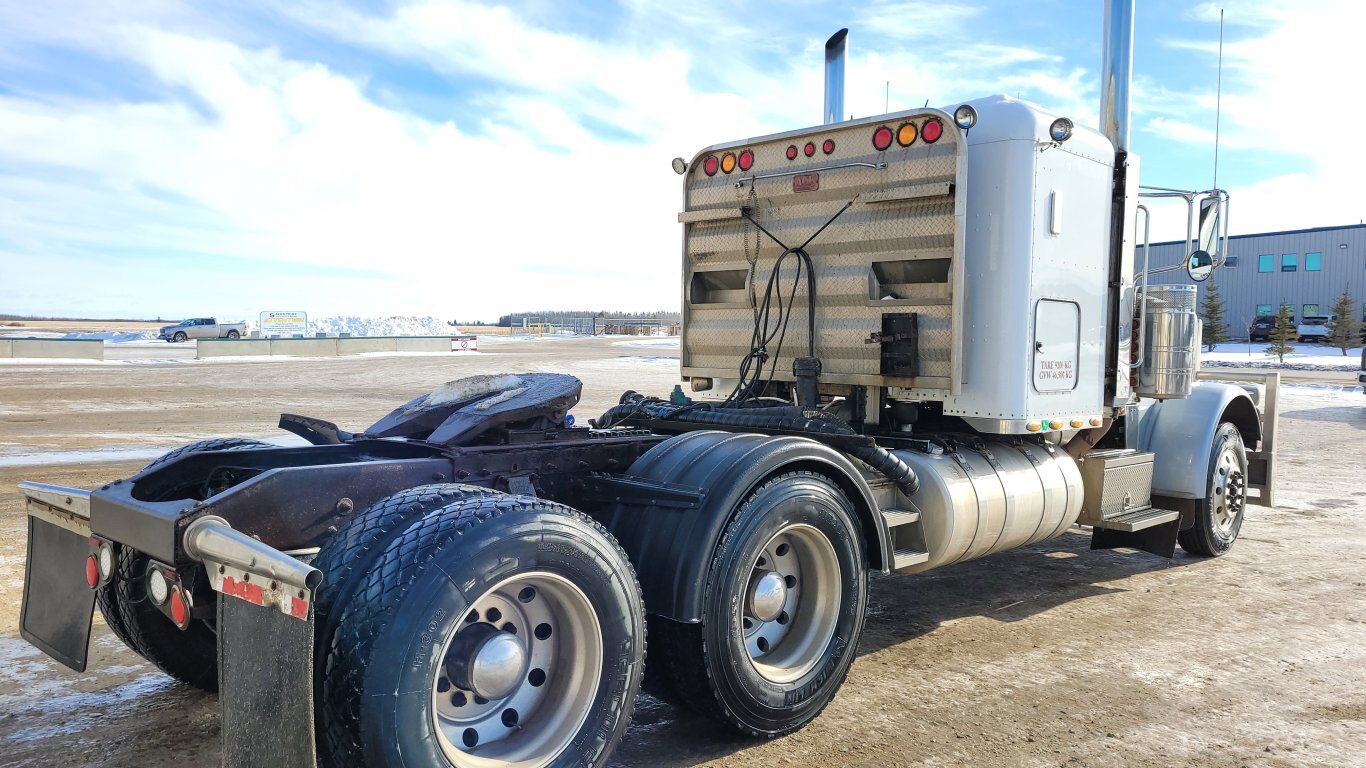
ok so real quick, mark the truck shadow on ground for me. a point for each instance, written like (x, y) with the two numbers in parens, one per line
(1005, 587)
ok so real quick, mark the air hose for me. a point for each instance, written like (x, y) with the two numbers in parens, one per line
(787, 418)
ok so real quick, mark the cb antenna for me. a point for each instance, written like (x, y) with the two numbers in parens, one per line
(1218, 98)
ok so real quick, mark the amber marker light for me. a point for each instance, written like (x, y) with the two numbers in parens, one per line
(905, 135)
(727, 163)
(1033, 426)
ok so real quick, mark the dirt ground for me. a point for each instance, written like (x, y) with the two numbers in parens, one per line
(1049, 655)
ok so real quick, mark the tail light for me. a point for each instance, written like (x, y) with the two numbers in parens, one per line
(791, 151)
(746, 160)
(932, 130)
(828, 146)
(99, 566)
(180, 607)
(711, 165)
(809, 149)
(882, 138)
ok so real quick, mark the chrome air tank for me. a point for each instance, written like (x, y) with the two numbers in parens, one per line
(974, 502)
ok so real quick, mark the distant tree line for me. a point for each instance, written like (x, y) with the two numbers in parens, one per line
(557, 317)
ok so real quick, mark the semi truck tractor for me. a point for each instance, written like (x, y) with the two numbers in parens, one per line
(909, 340)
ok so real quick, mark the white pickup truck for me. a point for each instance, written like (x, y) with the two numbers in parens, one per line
(202, 328)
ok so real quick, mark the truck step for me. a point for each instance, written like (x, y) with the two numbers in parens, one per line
(1138, 520)
(905, 558)
(898, 517)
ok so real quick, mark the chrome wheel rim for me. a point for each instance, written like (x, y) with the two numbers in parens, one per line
(1230, 491)
(791, 603)
(518, 674)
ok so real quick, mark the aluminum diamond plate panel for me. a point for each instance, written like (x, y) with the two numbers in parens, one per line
(898, 247)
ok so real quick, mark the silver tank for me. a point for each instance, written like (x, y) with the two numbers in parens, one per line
(1171, 342)
(974, 503)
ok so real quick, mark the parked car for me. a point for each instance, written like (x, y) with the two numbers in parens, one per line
(1261, 327)
(202, 328)
(1314, 328)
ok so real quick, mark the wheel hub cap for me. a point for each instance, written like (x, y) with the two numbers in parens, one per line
(498, 666)
(767, 596)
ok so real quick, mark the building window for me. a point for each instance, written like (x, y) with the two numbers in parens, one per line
(1264, 310)
(1289, 262)
(1312, 261)
(1264, 262)
(1310, 310)
(1230, 261)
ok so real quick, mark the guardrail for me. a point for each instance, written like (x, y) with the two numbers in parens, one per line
(334, 346)
(77, 349)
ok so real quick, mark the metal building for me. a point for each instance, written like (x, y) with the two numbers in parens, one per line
(1306, 268)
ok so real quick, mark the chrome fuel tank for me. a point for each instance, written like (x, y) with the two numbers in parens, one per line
(1000, 496)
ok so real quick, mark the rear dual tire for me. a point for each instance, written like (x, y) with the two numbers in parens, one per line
(766, 661)
(405, 665)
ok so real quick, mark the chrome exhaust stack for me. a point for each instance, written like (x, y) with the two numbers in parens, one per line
(1116, 68)
(834, 77)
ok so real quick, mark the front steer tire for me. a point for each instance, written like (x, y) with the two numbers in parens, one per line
(715, 667)
(1219, 516)
(389, 695)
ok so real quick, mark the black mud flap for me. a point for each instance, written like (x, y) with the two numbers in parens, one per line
(265, 681)
(1160, 540)
(58, 603)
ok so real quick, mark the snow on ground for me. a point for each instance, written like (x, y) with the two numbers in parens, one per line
(1305, 357)
(382, 326)
(112, 337)
(666, 342)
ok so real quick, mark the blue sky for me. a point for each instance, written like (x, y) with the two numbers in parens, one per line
(464, 159)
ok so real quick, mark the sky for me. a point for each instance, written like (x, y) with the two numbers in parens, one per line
(166, 158)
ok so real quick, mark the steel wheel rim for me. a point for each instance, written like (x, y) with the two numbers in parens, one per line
(1230, 491)
(793, 642)
(562, 639)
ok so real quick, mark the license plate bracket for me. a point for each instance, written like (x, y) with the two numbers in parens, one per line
(58, 603)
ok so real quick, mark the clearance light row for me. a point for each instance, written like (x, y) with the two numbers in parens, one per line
(1045, 425)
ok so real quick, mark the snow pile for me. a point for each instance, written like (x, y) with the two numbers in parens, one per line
(381, 326)
(113, 337)
(1305, 357)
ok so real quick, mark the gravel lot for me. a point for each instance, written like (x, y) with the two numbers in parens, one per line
(1050, 655)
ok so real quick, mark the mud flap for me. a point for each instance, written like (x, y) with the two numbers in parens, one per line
(58, 603)
(1160, 540)
(265, 680)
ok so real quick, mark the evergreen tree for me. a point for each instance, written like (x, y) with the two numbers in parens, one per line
(1212, 317)
(1344, 327)
(1284, 333)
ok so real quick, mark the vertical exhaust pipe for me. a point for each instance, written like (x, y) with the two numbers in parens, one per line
(1116, 67)
(834, 77)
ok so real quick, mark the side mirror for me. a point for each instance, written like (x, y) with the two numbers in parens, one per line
(1200, 266)
(1209, 225)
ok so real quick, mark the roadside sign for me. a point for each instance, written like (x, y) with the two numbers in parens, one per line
(464, 343)
(284, 324)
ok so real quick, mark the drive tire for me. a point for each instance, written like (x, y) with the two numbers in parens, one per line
(379, 707)
(708, 666)
(1219, 516)
(190, 656)
(345, 557)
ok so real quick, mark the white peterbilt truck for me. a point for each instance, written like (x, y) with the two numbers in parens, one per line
(912, 340)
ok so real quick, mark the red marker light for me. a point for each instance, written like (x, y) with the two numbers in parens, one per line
(828, 146)
(882, 138)
(92, 571)
(931, 130)
(178, 612)
(809, 149)
(792, 152)
(711, 165)
(746, 160)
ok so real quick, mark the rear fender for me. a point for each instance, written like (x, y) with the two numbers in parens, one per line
(671, 546)
(1180, 434)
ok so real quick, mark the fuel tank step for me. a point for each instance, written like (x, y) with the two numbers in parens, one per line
(899, 517)
(905, 558)
(1138, 520)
